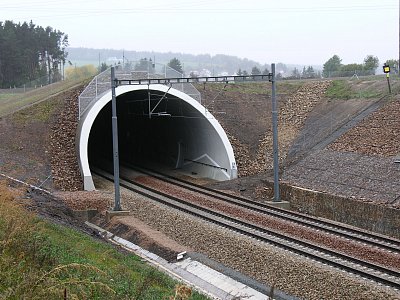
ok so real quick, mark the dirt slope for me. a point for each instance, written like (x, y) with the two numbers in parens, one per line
(25, 140)
(244, 111)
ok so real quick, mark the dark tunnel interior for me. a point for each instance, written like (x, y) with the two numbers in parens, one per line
(145, 139)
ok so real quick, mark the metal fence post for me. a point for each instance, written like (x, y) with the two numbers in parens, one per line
(117, 200)
(388, 81)
(275, 136)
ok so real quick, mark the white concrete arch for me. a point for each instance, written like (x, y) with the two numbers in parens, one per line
(213, 157)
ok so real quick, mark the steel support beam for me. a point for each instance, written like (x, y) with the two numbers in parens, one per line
(249, 78)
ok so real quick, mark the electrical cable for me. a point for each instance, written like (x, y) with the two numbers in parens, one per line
(188, 9)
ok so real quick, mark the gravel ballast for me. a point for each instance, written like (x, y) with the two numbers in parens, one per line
(267, 264)
(340, 244)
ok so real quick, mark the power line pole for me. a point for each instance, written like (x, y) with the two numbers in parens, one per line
(275, 135)
(117, 203)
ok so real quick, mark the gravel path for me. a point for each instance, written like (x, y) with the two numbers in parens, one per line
(290, 273)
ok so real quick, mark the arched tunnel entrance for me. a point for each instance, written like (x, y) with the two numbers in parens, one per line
(157, 126)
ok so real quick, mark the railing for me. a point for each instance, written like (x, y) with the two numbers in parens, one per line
(31, 85)
(140, 70)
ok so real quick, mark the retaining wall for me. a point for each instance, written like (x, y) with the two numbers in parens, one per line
(369, 216)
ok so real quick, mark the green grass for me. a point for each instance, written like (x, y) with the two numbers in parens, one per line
(40, 260)
(339, 89)
(344, 89)
(250, 88)
(42, 112)
(288, 87)
(5, 96)
(10, 102)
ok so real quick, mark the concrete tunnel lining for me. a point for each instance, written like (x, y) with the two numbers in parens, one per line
(214, 147)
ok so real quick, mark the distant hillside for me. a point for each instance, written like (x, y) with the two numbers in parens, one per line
(215, 64)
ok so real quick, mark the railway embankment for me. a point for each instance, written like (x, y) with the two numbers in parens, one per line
(355, 178)
(358, 166)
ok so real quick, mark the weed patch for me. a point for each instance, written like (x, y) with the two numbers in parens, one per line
(41, 260)
(41, 112)
(12, 102)
(345, 90)
(339, 89)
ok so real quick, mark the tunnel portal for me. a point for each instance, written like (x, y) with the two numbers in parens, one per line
(157, 125)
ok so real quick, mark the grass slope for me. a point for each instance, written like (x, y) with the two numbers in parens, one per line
(40, 260)
(364, 88)
(11, 101)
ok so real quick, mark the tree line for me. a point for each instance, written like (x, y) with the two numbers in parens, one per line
(146, 65)
(333, 67)
(254, 71)
(30, 53)
(308, 72)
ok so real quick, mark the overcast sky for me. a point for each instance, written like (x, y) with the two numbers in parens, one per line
(289, 31)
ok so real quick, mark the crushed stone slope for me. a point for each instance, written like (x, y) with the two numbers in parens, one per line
(379, 134)
(359, 164)
(64, 161)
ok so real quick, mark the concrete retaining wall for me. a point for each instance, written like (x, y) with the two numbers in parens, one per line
(380, 219)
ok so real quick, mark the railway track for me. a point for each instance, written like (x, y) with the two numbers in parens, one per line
(368, 238)
(365, 269)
